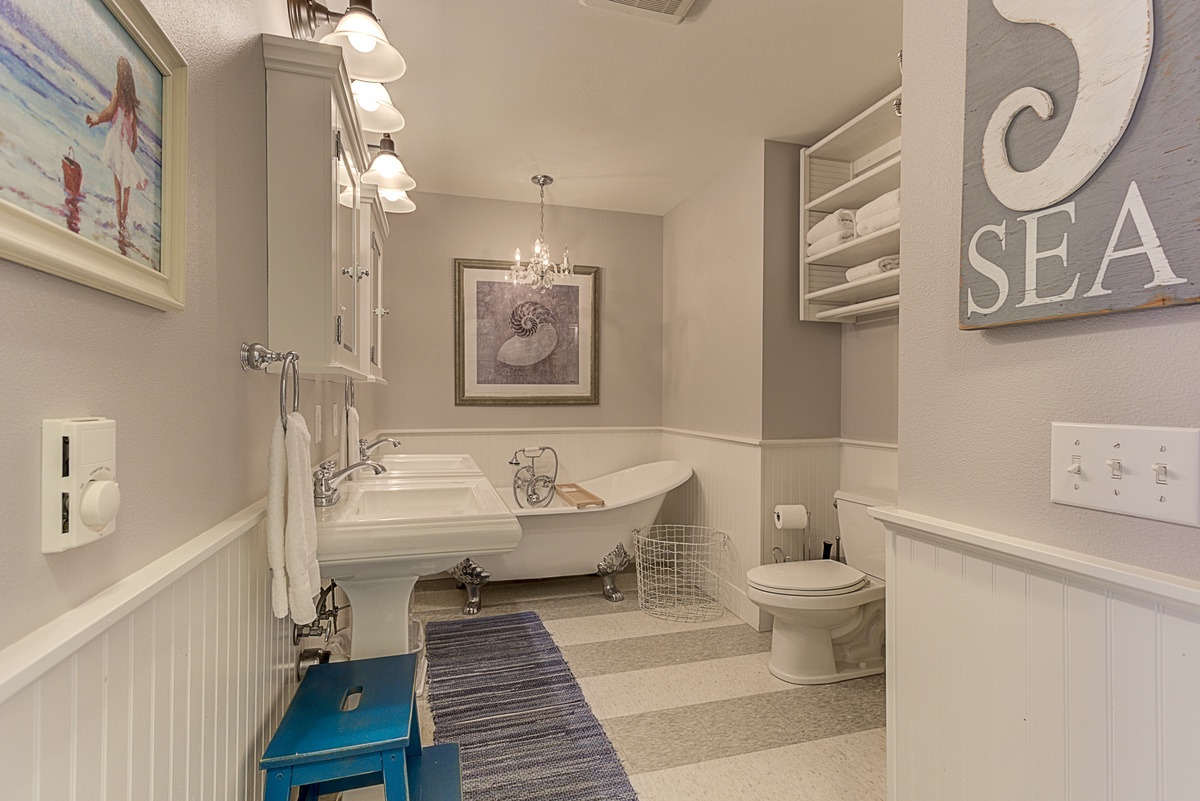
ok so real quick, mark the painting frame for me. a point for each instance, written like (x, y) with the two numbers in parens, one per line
(472, 389)
(37, 242)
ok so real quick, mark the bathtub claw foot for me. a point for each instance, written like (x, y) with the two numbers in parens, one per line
(471, 577)
(616, 561)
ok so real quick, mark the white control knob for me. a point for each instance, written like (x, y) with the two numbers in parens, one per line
(99, 504)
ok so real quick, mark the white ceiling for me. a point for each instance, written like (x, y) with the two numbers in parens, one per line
(626, 114)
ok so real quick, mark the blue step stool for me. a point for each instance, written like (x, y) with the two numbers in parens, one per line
(353, 724)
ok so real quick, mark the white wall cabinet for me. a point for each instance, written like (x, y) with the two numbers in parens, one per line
(855, 164)
(318, 294)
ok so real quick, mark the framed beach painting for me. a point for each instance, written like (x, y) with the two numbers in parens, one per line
(516, 345)
(93, 146)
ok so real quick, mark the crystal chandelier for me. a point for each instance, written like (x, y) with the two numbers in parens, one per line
(540, 271)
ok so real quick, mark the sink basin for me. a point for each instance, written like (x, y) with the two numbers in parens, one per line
(384, 534)
(424, 465)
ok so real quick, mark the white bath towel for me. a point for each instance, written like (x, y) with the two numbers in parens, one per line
(840, 220)
(830, 242)
(352, 435)
(883, 203)
(878, 222)
(277, 519)
(300, 535)
(886, 264)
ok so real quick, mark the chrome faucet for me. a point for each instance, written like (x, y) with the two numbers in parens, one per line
(537, 489)
(327, 477)
(365, 448)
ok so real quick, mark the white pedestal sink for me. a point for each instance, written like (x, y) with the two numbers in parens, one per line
(427, 465)
(385, 533)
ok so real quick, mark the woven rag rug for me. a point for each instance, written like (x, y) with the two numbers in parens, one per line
(500, 688)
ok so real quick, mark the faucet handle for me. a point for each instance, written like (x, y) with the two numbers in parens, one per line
(327, 466)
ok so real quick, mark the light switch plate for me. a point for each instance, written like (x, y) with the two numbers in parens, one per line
(1118, 470)
(80, 494)
(317, 425)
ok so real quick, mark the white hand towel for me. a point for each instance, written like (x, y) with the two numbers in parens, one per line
(300, 536)
(276, 519)
(840, 220)
(880, 204)
(352, 437)
(886, 264)
(886, 219)
(830, 242)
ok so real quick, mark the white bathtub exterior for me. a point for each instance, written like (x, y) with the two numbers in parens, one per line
(560, 540)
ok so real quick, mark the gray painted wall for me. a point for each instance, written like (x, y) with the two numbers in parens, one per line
(419, 290)
(870, 373)
(712, 304)
(976, 407)
(191, 426)
(802, 361)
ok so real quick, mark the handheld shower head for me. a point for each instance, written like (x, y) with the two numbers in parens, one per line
(514, 461)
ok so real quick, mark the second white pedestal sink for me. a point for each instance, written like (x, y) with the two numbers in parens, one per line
(386, 533)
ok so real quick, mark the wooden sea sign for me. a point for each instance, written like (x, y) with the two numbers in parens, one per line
(1081, 168)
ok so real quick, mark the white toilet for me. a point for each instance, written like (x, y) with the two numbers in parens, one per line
(829, 615)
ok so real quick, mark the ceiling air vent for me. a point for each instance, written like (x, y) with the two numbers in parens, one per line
(672, 11)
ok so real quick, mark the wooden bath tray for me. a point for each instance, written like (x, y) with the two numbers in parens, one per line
(577, 496)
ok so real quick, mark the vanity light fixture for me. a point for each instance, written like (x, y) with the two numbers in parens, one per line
(368, 54)
(396, 203)
(387, 172)
(540, 271)
(376, 112)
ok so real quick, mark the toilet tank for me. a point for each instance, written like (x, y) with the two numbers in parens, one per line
(863, 535)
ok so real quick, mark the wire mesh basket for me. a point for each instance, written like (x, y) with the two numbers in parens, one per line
(680, 572)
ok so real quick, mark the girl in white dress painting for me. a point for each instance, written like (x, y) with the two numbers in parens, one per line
(120, 146)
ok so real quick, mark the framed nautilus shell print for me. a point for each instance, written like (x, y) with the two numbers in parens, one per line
(1079, 170)
(515, 345)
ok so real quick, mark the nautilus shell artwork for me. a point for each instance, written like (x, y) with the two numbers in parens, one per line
(534, 335)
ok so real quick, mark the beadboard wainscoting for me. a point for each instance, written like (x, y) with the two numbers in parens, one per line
(804, 472)
(869, 464)
(167, 685)
(1031, 672)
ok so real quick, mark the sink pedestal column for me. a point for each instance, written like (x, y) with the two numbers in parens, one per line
(381, 613)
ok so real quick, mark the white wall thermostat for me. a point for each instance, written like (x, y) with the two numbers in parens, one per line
(80, 495)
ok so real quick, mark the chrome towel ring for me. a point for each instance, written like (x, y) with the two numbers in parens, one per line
(258, 357)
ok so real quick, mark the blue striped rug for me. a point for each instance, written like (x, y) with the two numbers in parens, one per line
(500, 688)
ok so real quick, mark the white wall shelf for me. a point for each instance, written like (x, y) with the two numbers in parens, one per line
(851, 313)
(849, 168)
(868, 288)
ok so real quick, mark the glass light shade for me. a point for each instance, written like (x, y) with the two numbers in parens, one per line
(365, 47)
(346, 197)
(375, 109)
(400, 203)
(388, 173)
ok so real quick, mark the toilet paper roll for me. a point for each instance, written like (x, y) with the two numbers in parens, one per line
(791, 516)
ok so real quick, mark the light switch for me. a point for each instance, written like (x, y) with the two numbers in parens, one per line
(1141, 471)
(80, 494)
(317, 425)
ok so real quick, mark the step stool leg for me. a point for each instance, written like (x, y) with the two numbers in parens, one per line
(395, 776)
(278, 786)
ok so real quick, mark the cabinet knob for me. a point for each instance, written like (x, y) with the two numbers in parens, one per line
(347, 271)
(363, 274)
(382, 312)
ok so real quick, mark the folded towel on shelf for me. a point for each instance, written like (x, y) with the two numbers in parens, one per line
(880, 204)
(830, 242)
(840, 220)
(300, 532)
(878, 222)
(883, 265)
(276, 519)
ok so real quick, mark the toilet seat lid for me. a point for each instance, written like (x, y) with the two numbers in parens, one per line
(813, 577)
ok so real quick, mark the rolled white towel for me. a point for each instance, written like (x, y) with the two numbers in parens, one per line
(300, 535)
(883, 265)
(277, 519)
(840, 220)
(830, 242)
(880, 204)
(878, 222)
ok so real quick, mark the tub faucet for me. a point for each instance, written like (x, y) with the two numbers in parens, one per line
(365, 448)
(531, 489)
(327, 477)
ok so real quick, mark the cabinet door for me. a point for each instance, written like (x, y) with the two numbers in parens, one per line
(345, 257)
(377, 310)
